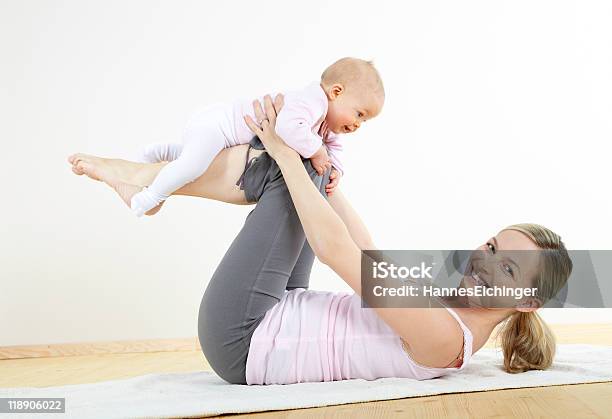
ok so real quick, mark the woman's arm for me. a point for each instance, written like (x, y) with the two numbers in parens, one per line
(357, 229)
(331, 241)
(327, 234)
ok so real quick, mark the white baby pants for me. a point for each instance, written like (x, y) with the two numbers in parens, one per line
(208, 132)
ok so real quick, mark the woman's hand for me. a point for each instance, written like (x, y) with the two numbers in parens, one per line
(274, 144)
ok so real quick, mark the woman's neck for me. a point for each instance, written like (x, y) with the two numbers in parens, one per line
(482, 322)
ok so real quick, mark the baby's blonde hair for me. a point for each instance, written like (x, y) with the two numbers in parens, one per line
(354, 74)
(527, 342)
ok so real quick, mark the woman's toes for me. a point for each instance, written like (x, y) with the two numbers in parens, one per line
(79, 157)
(88, 169)
(76, 170)
(81, 167)
(74, 158)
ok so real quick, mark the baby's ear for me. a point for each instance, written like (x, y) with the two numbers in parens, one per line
(335, 90)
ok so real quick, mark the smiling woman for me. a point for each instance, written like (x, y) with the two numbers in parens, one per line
(527, 342)
(258, 320)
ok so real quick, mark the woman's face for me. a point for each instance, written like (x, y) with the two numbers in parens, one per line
(508, 259)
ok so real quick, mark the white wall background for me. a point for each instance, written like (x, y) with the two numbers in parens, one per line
(497, 112)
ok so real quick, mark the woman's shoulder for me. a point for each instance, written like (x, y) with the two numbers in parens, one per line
(451, 340)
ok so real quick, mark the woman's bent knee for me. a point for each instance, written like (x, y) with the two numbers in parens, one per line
(263, 173)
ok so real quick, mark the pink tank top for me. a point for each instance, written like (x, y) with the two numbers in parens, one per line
(325, 336)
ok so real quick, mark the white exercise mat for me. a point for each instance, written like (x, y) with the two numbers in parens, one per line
(200, 394)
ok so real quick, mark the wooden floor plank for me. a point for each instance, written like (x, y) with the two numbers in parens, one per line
(576, 401)
(44, 372)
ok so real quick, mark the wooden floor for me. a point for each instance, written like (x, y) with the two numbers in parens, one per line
(575, 401)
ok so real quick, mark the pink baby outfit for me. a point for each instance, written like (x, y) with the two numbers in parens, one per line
(301, 124)
(298, 123)
(314, 336)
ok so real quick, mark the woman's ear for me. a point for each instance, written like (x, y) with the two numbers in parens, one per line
(529, 304)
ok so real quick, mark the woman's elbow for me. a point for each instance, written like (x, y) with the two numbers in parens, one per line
(328, 250)
(323, 249)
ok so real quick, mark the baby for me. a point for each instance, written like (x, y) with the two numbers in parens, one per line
(311, 122)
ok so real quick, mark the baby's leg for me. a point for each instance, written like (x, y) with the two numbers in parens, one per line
(196, 156)
(158, 152)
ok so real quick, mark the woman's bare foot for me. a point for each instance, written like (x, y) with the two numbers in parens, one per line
(218, 182)
(108, 171)
(99, 167)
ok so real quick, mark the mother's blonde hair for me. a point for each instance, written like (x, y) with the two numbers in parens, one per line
(527, 342)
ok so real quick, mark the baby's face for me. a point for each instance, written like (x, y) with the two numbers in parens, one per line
(347, 112)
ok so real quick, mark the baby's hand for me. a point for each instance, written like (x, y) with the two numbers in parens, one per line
(334, 180)
(320, 160)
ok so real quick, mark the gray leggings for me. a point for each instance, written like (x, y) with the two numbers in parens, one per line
(269, 255)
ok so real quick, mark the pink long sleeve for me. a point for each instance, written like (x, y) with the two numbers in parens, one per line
(335, 151)
(301, 115)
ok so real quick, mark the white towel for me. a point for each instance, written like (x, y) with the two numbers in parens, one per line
(200, 394)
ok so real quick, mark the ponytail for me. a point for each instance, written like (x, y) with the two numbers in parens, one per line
(527, 343)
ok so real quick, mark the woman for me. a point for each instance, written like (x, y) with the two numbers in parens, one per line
(252, 331)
